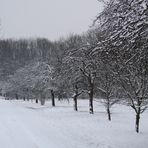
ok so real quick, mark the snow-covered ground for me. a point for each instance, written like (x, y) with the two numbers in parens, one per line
(29, 125)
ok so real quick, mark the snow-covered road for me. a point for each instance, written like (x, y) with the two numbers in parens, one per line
(28, 125)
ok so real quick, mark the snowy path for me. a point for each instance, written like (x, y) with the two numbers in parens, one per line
(28, 125)
(14, 129)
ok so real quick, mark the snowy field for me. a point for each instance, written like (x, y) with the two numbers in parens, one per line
(29, 125)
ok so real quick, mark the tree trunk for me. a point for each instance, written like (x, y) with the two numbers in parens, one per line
(137, 121)
(108, 106)
(42, 99)
(75, 97)
(91, 109)
(52, 98)
(16, 96)
(91, 95)
(27, 98)
(109, 114)
(75, 103)
(36, 100)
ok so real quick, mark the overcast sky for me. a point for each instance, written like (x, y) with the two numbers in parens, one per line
(46, 18)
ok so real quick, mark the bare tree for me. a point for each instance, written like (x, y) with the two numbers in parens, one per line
(124, 27)
(107, 89)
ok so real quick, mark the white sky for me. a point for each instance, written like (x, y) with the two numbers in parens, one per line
(46, 18)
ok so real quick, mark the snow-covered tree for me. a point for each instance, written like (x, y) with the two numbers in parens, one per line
(85, 65)
(33, 81)
(74, 78)
(124, 30)
(107, 88)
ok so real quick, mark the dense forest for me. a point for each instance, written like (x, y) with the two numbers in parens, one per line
(108, 63)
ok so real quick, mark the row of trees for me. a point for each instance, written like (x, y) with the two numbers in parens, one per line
(110, 61)
(125, 43)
